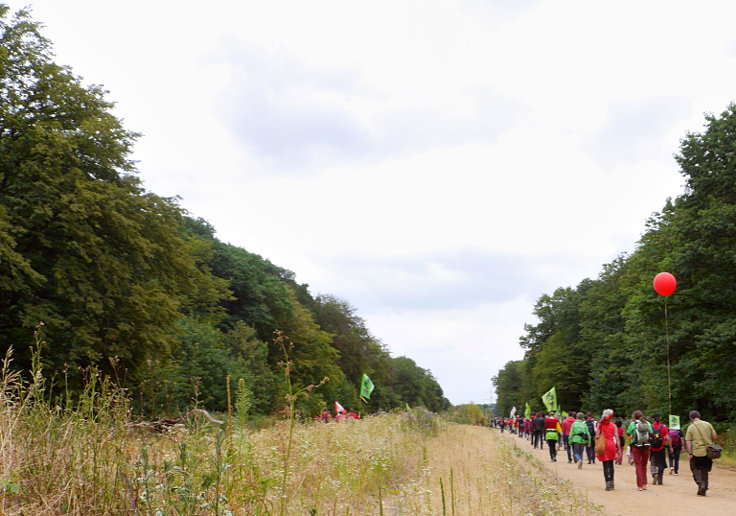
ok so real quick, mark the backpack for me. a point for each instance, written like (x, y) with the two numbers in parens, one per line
(641, 434)
(675, 437)
(657, 437)
(591, 427)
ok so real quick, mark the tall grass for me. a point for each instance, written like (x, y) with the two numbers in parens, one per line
(82, 456)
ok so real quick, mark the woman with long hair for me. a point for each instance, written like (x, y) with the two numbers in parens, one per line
(607, 429)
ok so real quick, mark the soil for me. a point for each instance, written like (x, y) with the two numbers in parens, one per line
(676, 496)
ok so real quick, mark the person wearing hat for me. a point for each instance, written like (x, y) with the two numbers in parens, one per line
(658, 459)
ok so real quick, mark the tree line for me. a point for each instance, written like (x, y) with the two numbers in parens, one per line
(129, 285)
(606, 343)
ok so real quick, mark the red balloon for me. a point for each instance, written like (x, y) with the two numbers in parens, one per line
(664, 283)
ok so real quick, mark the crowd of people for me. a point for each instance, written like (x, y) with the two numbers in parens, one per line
(644, 441)
(341, 414)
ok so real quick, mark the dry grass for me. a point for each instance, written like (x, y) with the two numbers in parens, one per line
(470, 470)
(80, 457)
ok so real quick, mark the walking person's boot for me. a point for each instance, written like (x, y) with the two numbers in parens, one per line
(609, 485)
(704, 481)
(698, 477)
(660, 476)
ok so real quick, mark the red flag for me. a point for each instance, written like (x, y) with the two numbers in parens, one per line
(339, 409)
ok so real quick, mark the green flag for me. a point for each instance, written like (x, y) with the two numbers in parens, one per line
(549, 399)
(527, 411)
(366, 387)
(674, 422)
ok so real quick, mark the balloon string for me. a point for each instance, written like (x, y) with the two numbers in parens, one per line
(667, 342)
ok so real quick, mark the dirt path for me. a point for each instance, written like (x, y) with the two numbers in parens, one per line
(676, 496)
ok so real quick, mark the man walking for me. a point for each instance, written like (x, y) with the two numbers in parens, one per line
(697, 438)
(538, 430)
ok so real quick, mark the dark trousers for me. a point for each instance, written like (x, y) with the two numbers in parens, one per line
(701, 466)
(552, 443)
(658, 461)
(538, 438)
(675, 457)
(608, 470)
(568, 446)
(590, 452)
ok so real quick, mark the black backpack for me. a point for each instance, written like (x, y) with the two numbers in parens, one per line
(656, 439)
(591, 428)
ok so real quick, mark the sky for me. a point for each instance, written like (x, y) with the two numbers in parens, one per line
(438, 164)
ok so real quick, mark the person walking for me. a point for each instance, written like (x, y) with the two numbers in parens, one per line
(590, 449)
(660, 439)
(552, 434)
(698, 436)
(566, 424)
(639, 430)
(676, 440)
(538, 430)
(579, 438)
(621, 441)
(608, 430)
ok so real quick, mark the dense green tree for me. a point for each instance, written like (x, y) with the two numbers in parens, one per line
(644, 350)
(508, 387)
(359, 352)
(416, 386)
(85, 248)
(124, 280)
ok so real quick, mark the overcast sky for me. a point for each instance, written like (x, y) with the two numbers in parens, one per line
(439, 164)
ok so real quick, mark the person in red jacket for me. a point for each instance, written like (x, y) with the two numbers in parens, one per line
(607, 429)
(324, 417)
(552, 431)
(657, 456)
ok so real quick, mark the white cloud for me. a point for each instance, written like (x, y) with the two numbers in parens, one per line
(400, 155)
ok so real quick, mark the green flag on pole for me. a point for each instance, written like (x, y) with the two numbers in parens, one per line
(527, 411)
(549, 399)
(366, 387)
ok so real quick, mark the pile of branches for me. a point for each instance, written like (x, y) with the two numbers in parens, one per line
(164, 424)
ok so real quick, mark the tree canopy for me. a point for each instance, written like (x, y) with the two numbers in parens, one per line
(606, 342)
(127, 281)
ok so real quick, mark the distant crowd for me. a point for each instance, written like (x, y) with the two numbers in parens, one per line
(642, 440)
(341, 414)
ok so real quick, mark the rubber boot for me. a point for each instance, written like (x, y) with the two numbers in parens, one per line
(660, 476)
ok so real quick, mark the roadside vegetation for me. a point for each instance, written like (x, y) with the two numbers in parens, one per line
(84, 455)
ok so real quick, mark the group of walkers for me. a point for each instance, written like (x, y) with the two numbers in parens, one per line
(650, 442)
